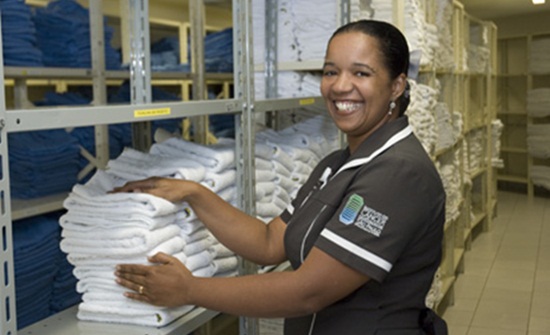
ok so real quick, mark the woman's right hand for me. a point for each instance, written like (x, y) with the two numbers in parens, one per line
(174, 190)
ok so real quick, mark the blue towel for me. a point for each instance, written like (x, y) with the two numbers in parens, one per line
(18, 35)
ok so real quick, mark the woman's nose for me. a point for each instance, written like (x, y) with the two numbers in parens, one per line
(342, 83)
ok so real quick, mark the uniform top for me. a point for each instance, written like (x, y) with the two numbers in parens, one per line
(380, 211)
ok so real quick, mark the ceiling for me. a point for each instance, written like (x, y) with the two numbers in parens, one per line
(497, 9)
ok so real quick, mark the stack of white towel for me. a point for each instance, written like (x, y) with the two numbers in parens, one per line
(540, 175)
(444, 54)
(290, 84)
(421, 114)
(435, 294)
(445, 134)
(538, 140)
(538, 102)
(449, 170)
(359, 9)
(420, 34)
(102, 230)
(478, 49)
(539, 55)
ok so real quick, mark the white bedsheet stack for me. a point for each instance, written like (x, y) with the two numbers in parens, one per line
(451, 178)
(538, 140)
(421, 114)
(538, 102)
(101, 230)
(444, 54)
(540, 175)
(539, 56)
(445, 134)
(314, 21)
(496, 131)
(476, 151)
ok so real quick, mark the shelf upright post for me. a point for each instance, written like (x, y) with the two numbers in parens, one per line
(271, 55)
(140, 69)
(197, 23)
(243, 74)
(97, 39)
(7, 287)
(344, 17)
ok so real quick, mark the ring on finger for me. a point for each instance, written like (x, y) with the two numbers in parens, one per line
(140, 290)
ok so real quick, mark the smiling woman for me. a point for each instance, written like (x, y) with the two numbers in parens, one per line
(368, 221)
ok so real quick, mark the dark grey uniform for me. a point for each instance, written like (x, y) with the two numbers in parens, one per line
(380, 211)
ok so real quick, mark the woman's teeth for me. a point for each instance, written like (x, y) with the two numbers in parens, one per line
(347, 106)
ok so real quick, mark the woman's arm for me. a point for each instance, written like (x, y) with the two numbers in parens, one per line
(319, 282)
(245, 235)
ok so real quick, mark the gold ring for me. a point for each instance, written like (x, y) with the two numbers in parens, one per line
(140, 291)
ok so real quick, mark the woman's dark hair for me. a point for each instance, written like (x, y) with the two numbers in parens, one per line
(393, 46)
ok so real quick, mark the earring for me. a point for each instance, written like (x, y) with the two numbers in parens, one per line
(392, 107)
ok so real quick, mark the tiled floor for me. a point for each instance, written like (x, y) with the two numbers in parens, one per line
(505, 288)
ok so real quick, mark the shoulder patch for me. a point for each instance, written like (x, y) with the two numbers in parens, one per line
(351, 209)
(371, 221)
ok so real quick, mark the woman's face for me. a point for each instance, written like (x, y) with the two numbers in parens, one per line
(356, 85)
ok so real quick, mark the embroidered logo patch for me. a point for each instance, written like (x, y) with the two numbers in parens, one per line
(351, 209)
(371, 221)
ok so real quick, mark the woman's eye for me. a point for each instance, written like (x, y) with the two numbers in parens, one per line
(362, 74)
(328, 73)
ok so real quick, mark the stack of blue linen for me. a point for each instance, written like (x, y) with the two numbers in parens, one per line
(18, 35)
(218, 51)
(64, 294)
(165, 55)
(36, 261)
(63, 33)
(42, 162)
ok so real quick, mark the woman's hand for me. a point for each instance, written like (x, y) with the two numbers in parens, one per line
(173, 190)
(164, 284)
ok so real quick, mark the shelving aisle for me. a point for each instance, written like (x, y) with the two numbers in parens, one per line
(505, 288)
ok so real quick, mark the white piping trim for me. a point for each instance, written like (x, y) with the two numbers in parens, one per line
(360, 161)
(290, 208)
(356, 250)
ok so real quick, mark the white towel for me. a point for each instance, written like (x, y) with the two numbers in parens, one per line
(229, 194)
(189, 227)
(219, 250)
(93, 198)
(132, 164)
(198, 246)
(171, 247)
(130, 242)
(225, 264)
(86, 221)
(199, 260)
(206, 271)
(215, 157)
(198, 234)
(264, 189)
(217, 181)
(125, 312)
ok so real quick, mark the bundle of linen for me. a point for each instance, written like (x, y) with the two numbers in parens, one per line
(435, 294)
(64, 292)
(539, 56)
(359, 10)
(540, 175)
(382, 10)
(315, 21)
(321, 129)
(476, 152)
(101, 230)
(421, 114)
(444, 126)
(36, 258)
(18, 35)
(63, 36)
(271, 197)
(458, 124)
(289, 84)
(42, 163)
(538, 140)
(538, 102)
(496, 132)
(450, 176)
(444, 54)
(478, 58)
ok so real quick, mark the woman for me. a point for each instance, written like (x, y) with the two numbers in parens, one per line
(363, 234)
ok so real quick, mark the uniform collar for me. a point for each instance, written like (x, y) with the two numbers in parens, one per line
(379, 137)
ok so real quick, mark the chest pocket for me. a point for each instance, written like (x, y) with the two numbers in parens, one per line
(311, 218)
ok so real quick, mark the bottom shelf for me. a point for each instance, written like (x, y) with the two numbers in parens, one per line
(66, 323)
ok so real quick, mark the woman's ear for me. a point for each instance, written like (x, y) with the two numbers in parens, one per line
(398, 86)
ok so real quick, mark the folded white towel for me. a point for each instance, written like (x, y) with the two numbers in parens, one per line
(199, 260)
(93, 198)
(206, 271)
(171, 247)
(91, 284)
(215, 157)
(225, 264)
(229, 194)
(189, 227)
(132, 164)
(198, 246)
(263, 164)
(122, 242)
(186, 213)
(268, 210)
(125, 312)
(265, 175)
(198, 234)
(86, 221)
(264, 189)
(217, 181)
(219, 250)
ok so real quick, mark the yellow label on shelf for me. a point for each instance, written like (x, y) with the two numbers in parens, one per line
(152, 112)
(304, 102)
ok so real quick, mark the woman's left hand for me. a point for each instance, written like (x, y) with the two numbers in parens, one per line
(164, 284)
